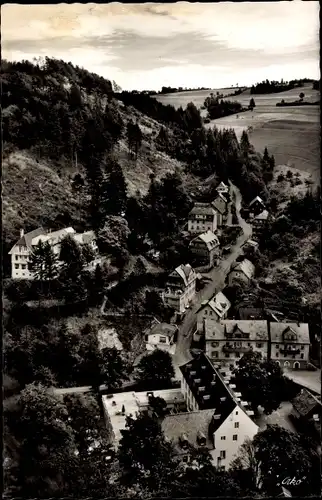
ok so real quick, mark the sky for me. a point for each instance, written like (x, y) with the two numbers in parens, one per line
(150, 45)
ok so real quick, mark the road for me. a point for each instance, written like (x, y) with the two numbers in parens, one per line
(217, 275)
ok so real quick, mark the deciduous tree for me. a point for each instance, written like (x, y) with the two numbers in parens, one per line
(156, 370)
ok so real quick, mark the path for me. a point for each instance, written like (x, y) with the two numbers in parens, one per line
(217, 275)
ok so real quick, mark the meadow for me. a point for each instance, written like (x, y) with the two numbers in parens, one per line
(292, 134)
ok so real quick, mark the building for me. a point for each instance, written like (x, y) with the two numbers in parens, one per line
(256, 206)
(117, 407)
(258, 223)
(21, 251)
(241, 271)
(160, 336)
(220, 204)
(214, 309)
(205, 249)
(290, 343)
(20, 254)
(222, 188)
(251, 245)
(206, 388)
(180, 288)
(227, 341)
(307, 413)
(202, 218)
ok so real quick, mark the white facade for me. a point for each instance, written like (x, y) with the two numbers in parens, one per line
(19, 262)
(180, 293)
(232, 433)
(215, 309)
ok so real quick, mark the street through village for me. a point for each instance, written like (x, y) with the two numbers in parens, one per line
(217, 278)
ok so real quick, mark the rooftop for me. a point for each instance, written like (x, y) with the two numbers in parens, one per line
(258, 199)
(202, 209)
(190, 425)
(209, 389)
(162, 329)
(86, 237)
(219, 303)
(262, 216)
(209, 238)
(300, 330)
(185, 272)
(53, 237)
(255, 330)
(27, 238)
(222, 185)
(304, 402)
(246, 267)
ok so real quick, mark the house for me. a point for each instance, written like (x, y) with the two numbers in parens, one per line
(243, 271)
(256, 206)
(251, 245)
(206, 388)
(220, 204)
(222, 188)
(21, 251)
(258, 223)
(160, 336)
(290, 343)
(205, 249)
(20, 254)
(307, 412)
(214, 309)
(117, 407)
(202, 218)
(180, 288)
(228, 340)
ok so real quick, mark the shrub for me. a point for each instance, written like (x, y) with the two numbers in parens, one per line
(280, 178)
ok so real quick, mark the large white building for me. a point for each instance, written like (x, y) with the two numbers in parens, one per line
(202, 218)
(290, 344)
(21, 251)
(229, 421)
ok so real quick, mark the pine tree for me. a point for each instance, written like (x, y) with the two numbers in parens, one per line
(43, 262)
(113, 192)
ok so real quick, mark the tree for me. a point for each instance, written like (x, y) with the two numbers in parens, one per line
(301, 96)
(245, 468)
(113, 191)
(113, 368)
(252, 104)
(40, 442)
(88, 253)
(43, 262)
(71, 255)
(156, 370)
(283, 454)
(157, 405)
(112, 238)
(261, 382)
(244, 142)
(144, 455)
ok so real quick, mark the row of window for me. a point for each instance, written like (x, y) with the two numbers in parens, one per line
(22, 257)
(288, 355)
(22, 266)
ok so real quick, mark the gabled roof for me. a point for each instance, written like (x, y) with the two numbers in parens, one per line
(304, 402)
(27, 238)
(191, 424)
(202, 209)
(222, 185)
(162, 329)
(209, 238)
(86, 237)
(220, 203)
(262, 216)
(246, 267)
(184, 271)
(256, 329)
(301, 329)
(54, 237)
(219, 304)
(258, 199)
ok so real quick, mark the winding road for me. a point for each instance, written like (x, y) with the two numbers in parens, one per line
(217, 276)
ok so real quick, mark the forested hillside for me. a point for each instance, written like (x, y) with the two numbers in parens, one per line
(73, 148)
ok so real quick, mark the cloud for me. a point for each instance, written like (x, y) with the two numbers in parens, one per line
(141, 43)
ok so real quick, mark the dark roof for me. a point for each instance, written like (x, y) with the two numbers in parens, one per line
(162, 329)
(28, 237)
(190, 424)
(208, 388)
(305, 402)
(202, 210)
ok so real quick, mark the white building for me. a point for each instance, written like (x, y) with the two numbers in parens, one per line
(21, 251)
(214, 309)
(160, 336)
(180, 288)
(202, 218)
(290, 344)
(206, 388)
(118, 406)
(243, 271)
(222, 188)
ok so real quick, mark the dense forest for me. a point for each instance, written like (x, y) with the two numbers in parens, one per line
(270, 87)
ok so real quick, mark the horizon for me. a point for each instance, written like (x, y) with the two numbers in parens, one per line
(150, 46)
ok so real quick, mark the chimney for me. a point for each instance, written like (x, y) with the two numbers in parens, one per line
(22, 232)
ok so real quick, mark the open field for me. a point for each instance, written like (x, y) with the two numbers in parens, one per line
(291, 134)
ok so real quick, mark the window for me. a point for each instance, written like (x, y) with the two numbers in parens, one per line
(277, 354)
(210, 312)
(223, 438)
(16, 266)
(223, 454)
(214, 354)
(236, 425)
(163, 340)
(284, 355)
(215, 344)
(206, 312)
(227, 355)
(237, 355)
(16, 257)
(235, 437)
(23, 266)
(222, 467)
(249, 344)
(236, 414)
(259, 344)
(302, 347)
(302, 356)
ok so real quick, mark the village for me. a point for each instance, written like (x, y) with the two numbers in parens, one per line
(205, 341)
